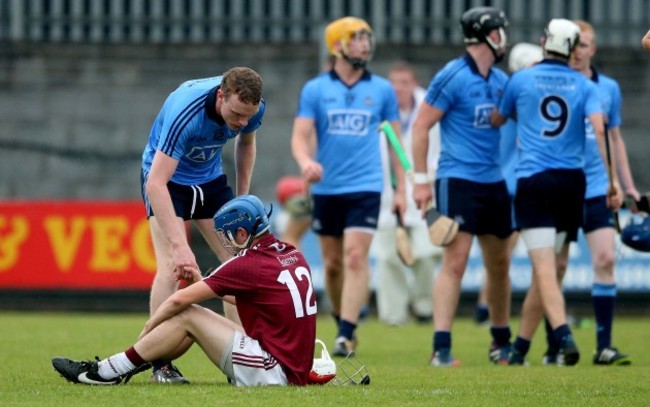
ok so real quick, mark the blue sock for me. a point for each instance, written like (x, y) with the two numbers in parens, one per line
(522, 345)
(550, 339)
(441, 340)
(603, 297)
(337, 318)
(346, 329)
(561, 332)
(501, 335)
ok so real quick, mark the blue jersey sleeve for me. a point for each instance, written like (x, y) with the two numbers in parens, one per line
(308, 104)
(614, 114)
(441, 92)
(391, 108)
(176, 129)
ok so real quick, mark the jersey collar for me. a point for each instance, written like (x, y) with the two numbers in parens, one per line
(553, 62)
(594, 74)
(364, 77)
(473, 67)
(210, 106)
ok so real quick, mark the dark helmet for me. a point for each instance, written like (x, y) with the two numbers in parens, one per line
(245, 211)
(478, 22)
(637, 233)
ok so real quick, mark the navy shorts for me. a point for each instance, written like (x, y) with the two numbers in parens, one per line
(200, 201)
(332, 214)
(596, 216)
(479, 208)
(552, 198)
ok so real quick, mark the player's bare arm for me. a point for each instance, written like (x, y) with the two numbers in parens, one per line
(623, 164)
(427, 117)
(162, 169)
(614, 193)
(302, 149)
(245, 153)
(399, 198)
(178, 302)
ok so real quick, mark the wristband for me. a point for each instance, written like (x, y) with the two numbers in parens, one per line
(420, 178)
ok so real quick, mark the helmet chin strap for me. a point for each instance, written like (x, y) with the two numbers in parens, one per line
(357, 63)
(497, 58)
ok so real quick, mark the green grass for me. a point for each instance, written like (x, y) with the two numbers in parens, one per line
(395, 357)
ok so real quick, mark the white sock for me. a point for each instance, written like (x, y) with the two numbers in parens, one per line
(115, 366)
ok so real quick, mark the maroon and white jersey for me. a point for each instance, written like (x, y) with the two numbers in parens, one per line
(271, 282)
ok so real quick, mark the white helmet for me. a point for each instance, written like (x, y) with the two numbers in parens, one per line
(562, 36)
(524, 55)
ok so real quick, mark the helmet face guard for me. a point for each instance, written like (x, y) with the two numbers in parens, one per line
(229, 242)
(351, 371)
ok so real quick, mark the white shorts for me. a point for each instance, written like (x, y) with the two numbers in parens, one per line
(247, 364)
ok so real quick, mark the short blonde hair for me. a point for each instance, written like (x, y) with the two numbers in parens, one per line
(585, 26)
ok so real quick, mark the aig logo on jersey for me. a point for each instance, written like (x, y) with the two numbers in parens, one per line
(201, 154)
(348, 122)
(482, 115)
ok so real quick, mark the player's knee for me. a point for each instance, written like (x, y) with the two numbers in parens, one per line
(455, 270)
(355, 259)
(333, 265)
(604, 263)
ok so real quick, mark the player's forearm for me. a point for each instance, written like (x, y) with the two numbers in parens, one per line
(170, 307)
(163, 210)
(420, 134)
(300, 149)
(245, 154)
(623, 164)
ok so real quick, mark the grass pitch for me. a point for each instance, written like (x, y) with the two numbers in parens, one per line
(397, 359)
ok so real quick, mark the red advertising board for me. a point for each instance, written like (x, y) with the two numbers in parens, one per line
(75, 245)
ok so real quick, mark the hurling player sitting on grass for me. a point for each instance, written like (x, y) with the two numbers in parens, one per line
(268, 280)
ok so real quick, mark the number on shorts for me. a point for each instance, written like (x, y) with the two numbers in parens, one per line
(554, 109)
(301, 307)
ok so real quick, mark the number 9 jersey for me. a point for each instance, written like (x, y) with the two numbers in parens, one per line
(550, 102)
(276, 302)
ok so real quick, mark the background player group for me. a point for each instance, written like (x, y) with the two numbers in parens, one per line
(336, 145)
(469, 99)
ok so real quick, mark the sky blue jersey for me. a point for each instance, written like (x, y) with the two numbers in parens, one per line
(469, 143)
(595, 170)
(347, 119)
(550, 102)
(188, 129)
